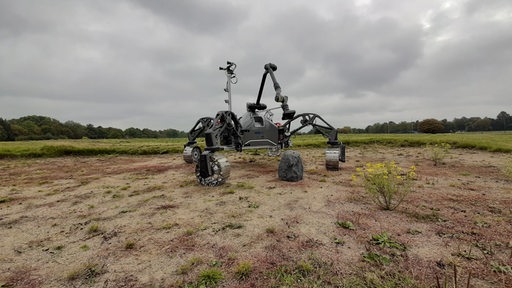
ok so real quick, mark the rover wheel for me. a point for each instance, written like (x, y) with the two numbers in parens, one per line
(191, 154)
(332, 159)
(274, 151)
(219, 169)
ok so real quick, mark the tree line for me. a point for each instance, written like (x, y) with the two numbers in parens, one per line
(502, 122)
(45, 128)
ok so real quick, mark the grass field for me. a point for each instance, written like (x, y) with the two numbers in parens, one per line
(492, 142)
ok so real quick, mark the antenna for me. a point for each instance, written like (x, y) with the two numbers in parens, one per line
(230, 79)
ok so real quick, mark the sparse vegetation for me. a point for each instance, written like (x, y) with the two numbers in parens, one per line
(59, 247)
(5, 199)
(382, 278)
(465, 253)
(452, 279)
(170, 225)
(244, 185)
(300, 236)
(233, 226)
(508, 169)
(86, 273)
(437, 152)
(310, 271)
(210, 277)
(189, 265)
(230, 191)
(190, 232)
(243, 270)
(384, 240)
(505, 269)
(374, 257)
(253, 205)
(93, 229)
(346, 225)
(338, 241)
(431, 216)
(22, 276)
(270, 230)
(129, 245)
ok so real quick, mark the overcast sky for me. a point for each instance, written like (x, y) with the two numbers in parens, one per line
(154, 64)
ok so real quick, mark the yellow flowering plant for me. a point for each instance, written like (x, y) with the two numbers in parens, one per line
(387, 183)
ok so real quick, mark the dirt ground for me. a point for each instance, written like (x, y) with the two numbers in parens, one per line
(143, 221)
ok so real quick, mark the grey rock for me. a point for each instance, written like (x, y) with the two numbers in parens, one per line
(290, 166)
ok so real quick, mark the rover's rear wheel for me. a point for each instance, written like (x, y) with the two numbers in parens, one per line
(332, 156)
(274, 151)
(216, 173)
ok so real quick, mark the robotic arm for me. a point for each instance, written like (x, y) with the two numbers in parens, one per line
(287, 113)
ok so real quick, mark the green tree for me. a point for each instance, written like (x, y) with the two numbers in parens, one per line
(377, 128)
(114, 133)
(460, 124)
(470, 124)
(149, 133)
(6, 133)
(481, 125)
(38, 127)
(91, 132)
(449, 126)
(173, 133)
(75, 130)
(504, 120)
(133, 133)
(431, 126)
(404, 127)
(345, 130)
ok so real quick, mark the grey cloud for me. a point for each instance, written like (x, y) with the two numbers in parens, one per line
(197, 16)
(155, 63)
(355, 54)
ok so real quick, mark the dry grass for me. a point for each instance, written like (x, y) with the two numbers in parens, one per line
(62, 227)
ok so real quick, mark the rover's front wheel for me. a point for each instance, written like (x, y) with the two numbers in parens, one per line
(212, 170)
(191, 154)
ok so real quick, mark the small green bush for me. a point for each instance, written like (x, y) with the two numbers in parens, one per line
(129, 245)
(210, 277)
(189, 265)
(387, 184)
(94, 228)
(5, 199)
(346, 225)
(270, 230)
(384, 240)
(374, 257)
(504, 269)
(438, 152)
(243, 270)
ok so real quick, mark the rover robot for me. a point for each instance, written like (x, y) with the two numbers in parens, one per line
(256, 129)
